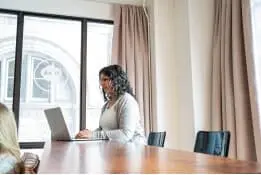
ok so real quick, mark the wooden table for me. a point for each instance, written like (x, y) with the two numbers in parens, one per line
(112, 157)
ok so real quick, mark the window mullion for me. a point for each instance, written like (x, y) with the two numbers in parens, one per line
(18, 65)
(83, 74)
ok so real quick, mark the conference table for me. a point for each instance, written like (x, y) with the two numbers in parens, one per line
(114, 157)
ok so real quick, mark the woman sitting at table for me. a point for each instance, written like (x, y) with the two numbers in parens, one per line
(10, 161)
(120, 117)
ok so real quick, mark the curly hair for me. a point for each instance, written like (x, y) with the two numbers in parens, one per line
(119, 80)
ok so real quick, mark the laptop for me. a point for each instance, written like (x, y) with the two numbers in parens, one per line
(59, 130)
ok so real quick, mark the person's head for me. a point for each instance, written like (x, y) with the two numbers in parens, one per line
(8, 133)
(114, 81)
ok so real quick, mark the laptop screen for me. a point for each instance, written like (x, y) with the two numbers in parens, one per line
(55, 118)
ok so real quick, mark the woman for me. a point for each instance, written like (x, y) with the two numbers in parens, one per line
(120, 117)
(10, 161)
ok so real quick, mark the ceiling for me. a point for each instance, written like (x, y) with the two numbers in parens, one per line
(133, 2)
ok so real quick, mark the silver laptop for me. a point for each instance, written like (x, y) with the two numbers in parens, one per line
(59, 130)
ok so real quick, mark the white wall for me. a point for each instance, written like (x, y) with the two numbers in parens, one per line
(184, 75)
(201, 17)
(163, 27)
(181, 34)
(77, 8)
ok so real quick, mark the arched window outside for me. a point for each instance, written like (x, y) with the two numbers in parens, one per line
(41, 78)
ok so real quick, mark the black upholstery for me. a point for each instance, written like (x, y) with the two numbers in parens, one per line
(157, 138)
(213, 142)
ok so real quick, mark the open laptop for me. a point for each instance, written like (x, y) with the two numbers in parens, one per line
(59, 130)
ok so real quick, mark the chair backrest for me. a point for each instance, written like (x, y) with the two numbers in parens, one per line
(157, 138)
(213, 142)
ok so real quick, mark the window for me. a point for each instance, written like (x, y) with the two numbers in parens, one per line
(51, 70)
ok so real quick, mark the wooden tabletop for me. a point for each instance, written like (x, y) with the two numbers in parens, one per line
(112, 157)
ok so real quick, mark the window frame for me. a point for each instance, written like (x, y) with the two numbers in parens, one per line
(18, 63)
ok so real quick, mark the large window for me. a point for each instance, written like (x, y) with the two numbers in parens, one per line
(51, 70)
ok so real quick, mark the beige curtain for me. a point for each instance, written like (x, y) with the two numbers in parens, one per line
(130, 50)
(234, 103)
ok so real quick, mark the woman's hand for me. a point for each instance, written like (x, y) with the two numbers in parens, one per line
(84, 134)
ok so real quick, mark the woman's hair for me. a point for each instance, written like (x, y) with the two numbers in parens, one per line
(119, 80)
(8, 133)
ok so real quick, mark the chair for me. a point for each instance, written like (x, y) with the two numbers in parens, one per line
(212, 142)
(157, 138)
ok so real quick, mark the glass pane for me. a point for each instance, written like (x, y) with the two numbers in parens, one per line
(41, 85)
(41, 88)
(52, 47)
(99, 40)
(7, 50)
(38, 66)
(11, 65)
(10, 86)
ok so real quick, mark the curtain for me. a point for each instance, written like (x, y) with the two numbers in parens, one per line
(234, 104)
(130, 50)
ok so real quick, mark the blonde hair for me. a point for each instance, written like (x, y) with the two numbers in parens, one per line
(8, 133)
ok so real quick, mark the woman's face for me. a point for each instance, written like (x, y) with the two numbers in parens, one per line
(106, 84)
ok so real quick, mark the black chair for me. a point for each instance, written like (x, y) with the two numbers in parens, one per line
(213, 142)
(157, 138)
